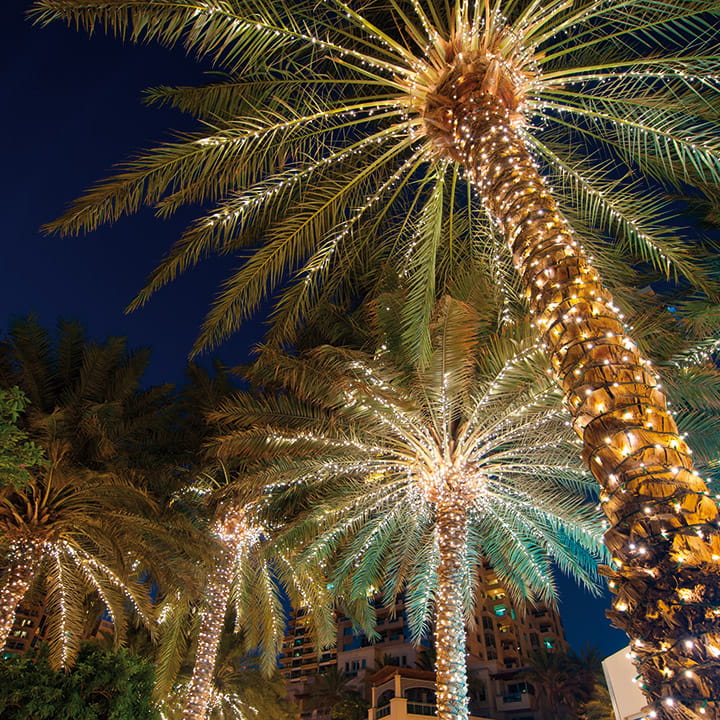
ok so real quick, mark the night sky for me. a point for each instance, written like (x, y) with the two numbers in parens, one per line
(73, 110)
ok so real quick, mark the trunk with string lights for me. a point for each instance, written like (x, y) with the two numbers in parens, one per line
(217, 596)
(451, 672)
(236, 535)
(663, 524)
(24, 557)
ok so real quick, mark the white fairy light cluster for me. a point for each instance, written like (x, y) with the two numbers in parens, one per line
(238, 534)
(22, 559)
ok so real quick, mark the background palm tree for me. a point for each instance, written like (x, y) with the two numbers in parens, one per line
(250, 577)
(81, 534)
(408, 477)
(344, 138)
(559, 687)
(83, 523)
(330, 687)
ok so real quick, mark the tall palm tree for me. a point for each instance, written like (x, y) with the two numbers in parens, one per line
(345, 137)
(83, 523)
(405, 478)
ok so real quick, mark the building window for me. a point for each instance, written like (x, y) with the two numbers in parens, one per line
(500, 610)
(517, 688)
(549, 643)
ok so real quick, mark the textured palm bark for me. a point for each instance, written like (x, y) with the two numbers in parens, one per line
(212, 619)
(663, 522)
(451, 669)
(23, 560)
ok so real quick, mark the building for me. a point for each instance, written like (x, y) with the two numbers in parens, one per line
(404, 694)
(30, 628)
(627, 698)
(500, 638)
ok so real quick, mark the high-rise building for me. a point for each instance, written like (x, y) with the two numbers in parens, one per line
(501, 636)
(30, 628)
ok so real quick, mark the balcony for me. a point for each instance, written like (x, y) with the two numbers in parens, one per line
(401, 709)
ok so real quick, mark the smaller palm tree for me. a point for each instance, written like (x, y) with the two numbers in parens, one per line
(18, 454)
(238, 537)
(81, 533)
(248, 575)
(559, 687)
(405, 477)
(84, 523)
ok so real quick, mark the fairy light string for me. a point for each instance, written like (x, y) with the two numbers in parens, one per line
(237, 534)
(22, 560)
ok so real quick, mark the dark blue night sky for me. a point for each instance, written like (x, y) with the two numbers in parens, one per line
(72, 110)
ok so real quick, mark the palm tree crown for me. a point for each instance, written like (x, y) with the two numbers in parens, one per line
(84, 522)
(330, 142)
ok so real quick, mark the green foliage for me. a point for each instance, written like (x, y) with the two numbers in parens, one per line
(18, 454)
(320, 172)
(351, 707)
(103, 685)
(347, 443)
(90, 510)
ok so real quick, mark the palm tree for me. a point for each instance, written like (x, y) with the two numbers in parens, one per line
(558, 685)
(82, 522)
(242, 572)
(82, 534)
(343, 139)
(251, 576)
(330, 688)
(405, 478)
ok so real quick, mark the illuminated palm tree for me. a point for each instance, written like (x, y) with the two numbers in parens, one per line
(81, 522)
(250, 576)
(348, 138)
(82, 535)
(406, 478)
(245, 573)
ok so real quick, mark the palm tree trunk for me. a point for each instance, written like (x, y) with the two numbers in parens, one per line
(23, 560)
(663, 524)
(212, 619)
(450, 665)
